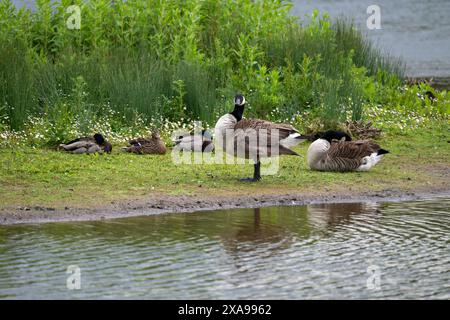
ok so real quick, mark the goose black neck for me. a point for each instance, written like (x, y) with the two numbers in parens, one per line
(237, 112)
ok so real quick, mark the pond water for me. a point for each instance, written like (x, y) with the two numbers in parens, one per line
(418, 31)
(357, 250)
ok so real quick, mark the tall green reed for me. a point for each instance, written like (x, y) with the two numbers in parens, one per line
(183, 60)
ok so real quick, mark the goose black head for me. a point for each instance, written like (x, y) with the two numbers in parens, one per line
(331, 135)
(99, 139)
(239, 100)
(239, 104)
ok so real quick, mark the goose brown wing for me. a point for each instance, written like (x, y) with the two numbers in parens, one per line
(246, 136)
(352, 149)
(284, 130)
(254, 147)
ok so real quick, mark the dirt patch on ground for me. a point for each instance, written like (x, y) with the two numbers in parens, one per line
(163, 203)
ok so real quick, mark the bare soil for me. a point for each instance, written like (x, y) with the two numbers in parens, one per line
(163, 203)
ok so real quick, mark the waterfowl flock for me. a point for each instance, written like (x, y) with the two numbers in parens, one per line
(252, 139)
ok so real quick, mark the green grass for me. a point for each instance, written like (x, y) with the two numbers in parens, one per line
(419, 160)
(138, 64)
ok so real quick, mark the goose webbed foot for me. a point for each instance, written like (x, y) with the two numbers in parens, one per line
(250, 179)
(256, 174)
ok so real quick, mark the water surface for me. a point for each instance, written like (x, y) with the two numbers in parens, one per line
(390, 250)
(418, 31)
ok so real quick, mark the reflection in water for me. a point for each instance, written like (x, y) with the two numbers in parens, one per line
(314, 251)
(328, 216)
(249, 236)
(255, 237)
(265, 236)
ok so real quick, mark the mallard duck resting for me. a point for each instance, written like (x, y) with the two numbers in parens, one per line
(257, 138)
(195, 142)
(152, 145)
(335, 151)
(94, 144)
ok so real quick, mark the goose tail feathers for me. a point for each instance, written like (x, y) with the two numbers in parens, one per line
(369, 161)
(287, 151)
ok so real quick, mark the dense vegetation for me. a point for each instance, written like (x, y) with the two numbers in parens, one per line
(135, 64)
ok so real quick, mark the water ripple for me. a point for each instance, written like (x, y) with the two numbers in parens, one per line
(314, 251)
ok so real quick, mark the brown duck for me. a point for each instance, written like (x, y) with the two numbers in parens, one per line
(152, 145)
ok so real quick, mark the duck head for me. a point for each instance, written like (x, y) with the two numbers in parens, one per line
(239, 104)
(99, 139)
(155, 134)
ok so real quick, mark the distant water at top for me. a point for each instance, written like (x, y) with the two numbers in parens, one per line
(416, 30)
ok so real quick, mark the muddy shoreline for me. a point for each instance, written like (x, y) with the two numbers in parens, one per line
(161, 204)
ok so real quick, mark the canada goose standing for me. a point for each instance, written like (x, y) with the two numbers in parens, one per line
(97, 143)
(152, 145)
(232, 134)
(195, 142)
(335, 151)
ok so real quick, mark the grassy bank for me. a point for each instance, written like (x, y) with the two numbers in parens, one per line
(134, 65)
(419, 160)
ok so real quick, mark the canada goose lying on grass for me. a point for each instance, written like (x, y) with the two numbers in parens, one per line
(152, 145)
(195, 142)
(254, 139)
(335, 151)
(94, 144)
